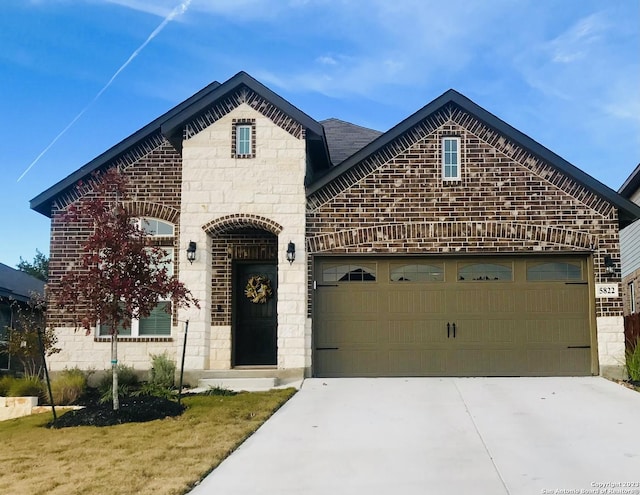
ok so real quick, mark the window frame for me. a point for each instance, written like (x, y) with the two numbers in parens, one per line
(368, 270)
(237, 126)
(422, 276)
(508, 265)
(446, 154)
(632, 297)
(171, 262)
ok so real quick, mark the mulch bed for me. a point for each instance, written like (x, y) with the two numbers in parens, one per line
(132, 410)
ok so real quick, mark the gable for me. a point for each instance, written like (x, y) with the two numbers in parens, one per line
(454, 107)
(190, 117)
(507, 200)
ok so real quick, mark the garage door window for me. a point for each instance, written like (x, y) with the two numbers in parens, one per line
(417, 272)
(554, 271)
(349, 273)
(476, 272)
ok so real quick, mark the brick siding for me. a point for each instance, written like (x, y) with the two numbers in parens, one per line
(155, 185)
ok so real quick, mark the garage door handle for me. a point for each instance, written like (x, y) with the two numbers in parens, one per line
(327, 348)
(448, 329)
(454, 330)
(578, 347)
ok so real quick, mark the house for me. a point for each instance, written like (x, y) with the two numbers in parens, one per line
(630, 248)
(451, 244)
(16, 289)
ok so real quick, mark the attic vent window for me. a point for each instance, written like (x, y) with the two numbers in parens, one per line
(243, 138)
(451, 159)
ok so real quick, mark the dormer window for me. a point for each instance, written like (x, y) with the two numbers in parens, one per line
(451, 159)
(243, 138)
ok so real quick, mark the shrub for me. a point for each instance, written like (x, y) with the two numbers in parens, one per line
(127, 383)
(218, 390)
(5, 385)
(28, 386)
(68, 386)
(154, 390)
(163, 371)
(633, 362)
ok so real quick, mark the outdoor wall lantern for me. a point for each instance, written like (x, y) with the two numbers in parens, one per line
(191, 252)
(609, 264)
(291, 252)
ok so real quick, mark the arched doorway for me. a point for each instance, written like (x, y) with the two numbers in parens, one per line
(245, 287)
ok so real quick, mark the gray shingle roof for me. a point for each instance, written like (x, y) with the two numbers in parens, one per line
(18, 285)
(344, 139)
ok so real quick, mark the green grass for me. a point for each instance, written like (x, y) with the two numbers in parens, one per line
(164, 457)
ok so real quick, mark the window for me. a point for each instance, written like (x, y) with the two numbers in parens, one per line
(417, 272)
(155, 227)
(158, 323)
(349, 273)
(243, 133)
(485, 272)
(554, 271)
(632, 298)
(451, 159)
(243, 138)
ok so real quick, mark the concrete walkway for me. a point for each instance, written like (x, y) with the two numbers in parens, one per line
(443, 436)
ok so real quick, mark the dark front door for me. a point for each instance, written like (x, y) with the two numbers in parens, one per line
(255, 316)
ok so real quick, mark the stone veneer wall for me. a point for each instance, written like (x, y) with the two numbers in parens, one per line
(154, 169)
(222, 192)
(508, 201)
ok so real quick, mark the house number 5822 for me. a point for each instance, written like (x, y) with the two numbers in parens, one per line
(606, 290)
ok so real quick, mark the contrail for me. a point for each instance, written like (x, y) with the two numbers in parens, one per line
(179, 10)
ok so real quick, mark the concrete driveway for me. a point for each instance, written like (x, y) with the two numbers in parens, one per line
(443, 436)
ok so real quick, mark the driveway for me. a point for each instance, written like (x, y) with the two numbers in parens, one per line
(443, 436)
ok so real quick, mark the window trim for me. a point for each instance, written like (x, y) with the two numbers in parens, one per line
(445, 154)
(235, 137)
(632, 297)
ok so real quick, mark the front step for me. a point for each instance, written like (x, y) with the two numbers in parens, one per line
(239, 384)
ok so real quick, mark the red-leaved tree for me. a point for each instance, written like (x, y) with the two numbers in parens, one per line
(120, 275)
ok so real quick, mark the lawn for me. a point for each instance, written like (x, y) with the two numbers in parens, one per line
(162, 457)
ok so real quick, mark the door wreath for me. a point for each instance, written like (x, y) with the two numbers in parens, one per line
(258, 289)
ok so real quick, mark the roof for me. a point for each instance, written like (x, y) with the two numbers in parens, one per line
(631, 185)
(172, 123)
(344, 138)
(628, 211)
(18, 285)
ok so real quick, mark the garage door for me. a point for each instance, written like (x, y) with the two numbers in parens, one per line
(452, 317)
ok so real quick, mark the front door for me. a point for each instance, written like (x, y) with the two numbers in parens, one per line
(255, 317)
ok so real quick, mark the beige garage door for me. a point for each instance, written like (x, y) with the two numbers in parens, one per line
(452, 317)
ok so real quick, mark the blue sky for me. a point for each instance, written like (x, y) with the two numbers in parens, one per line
(564, 72)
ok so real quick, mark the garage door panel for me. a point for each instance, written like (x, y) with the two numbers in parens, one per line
(482, 332)
(417, 332)
(423, 363)
(482, 299)
(336, 332)
(413, 302)
(349, 302)
(343, 362)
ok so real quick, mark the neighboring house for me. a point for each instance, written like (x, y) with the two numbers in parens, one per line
(16, 289)
(630, 248)
(452, 244)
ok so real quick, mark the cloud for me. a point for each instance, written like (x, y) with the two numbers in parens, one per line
(577, 41)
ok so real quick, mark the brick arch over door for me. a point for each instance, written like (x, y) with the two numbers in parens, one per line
(452, 236)
(237, 238)
(229, 223)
